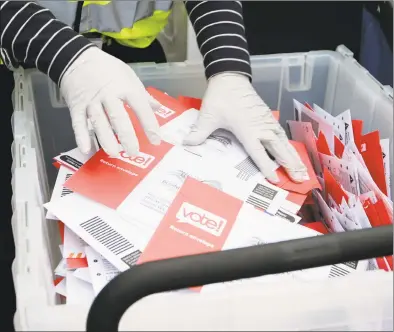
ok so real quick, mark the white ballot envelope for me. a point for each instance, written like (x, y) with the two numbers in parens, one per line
(101, 228)
(149, 201)
(318, 123)
(61, 288)
(101, 270)
(303, 132)
(61, 268)
(254, 227)
(73, 246)
(346, 117)
(78, 291)
(73, 159)
(329, 217)
(59, 191)
(83, 274)
(338, 125)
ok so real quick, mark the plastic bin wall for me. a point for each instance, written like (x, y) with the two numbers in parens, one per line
(333, 80)
(42, 129)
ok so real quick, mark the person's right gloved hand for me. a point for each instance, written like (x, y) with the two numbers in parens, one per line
(95, 87)
(231, 102)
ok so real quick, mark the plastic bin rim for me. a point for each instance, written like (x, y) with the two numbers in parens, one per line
(253, 58)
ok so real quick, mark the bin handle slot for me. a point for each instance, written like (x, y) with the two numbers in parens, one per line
(299, 73)
(183, 272)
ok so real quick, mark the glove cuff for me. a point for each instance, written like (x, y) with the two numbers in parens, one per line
(230, 79)
(84, 56)
(233, 75)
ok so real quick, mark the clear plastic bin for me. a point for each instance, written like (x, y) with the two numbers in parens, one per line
(42, 129)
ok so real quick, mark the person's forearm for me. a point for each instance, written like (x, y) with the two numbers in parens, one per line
(31, 35)
(220, 35)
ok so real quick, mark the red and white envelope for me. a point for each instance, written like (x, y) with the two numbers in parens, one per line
(202, 219)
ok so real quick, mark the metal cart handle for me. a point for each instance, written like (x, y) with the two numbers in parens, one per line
(183, 272)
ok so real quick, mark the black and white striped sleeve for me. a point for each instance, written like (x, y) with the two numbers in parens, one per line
(30, 35)
(220, 36)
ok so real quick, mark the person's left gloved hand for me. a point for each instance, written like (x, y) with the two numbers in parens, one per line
(231, 103)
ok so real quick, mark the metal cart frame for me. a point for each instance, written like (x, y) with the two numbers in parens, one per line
(177, 273)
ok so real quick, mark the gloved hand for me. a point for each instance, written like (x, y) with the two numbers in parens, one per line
(95, 87)
(231, 103)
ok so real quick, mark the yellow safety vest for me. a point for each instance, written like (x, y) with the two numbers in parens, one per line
(131, 23)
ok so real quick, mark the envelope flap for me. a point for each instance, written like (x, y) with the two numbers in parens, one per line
(333, 188)
(322, 145)
(190, 102)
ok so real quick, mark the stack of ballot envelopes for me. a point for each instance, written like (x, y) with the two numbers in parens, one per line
(173, 200)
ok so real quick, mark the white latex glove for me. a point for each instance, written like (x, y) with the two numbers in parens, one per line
(231, 103)
(95, 87)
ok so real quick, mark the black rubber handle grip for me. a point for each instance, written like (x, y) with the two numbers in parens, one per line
(177, 273)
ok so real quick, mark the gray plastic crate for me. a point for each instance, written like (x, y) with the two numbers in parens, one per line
(42, 129)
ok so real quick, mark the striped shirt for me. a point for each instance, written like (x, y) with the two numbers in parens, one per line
(31, 36)
(220, 32)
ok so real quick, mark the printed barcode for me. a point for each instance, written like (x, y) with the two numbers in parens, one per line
(337, 271)
(107, 265)
(106, 235)
(352, 264)
(132, 258)
(257, 202)
(66, 191)
(265, 191)
(247, 168)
